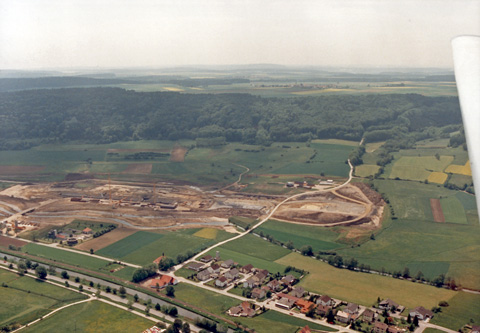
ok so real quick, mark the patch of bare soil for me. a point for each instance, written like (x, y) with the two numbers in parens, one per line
(20, 169)
(139, 168)
(372, 195)
(178, 154)
(6, 241)
(106, 239)
(437, 210)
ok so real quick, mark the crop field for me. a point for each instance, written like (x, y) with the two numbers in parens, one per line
(462, 308)
(200, 165)
(460, 180)
(337, 142)
(460, 169)
(366, 170)
(66, 257)
(363, 288)
(256, 247)
(143, 246)
(453, 210)
(437, 177)
(29, 298)
(207, 233)
(418, 167)
(319, 238)
(94, 316)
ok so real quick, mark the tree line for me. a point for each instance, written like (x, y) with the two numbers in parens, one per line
(104, 115)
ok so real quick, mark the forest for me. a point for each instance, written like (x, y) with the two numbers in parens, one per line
(104, 115)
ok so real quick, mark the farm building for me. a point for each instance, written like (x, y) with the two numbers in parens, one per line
(243, 310)
(203, 275)
(162, 281)
(221, 282)
(285, 303)
(195, 266)
(288, 280)
(206, 258)
(227, 263)
(232, 274)
(87, 231)
(246, 269)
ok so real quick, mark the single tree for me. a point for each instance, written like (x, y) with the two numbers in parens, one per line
(122, 291)
(41, 272)
(170, 291)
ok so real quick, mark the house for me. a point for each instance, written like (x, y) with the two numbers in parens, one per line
(352, 308)
(289, 280)
(258, 293)
(162, 281)
(285, 303)
(87, 231)
(388, 305)
(325, 300)
(232, 274)
(304, 305)
(227, 263)
(421, 313)
(153, 329)
(259, 277)
(195, 266)
(393, 329)
(246, 269)
(157, 261)
(369, 316)
(263, 271)
(203, 275)
(342, 317)
(250, 283)
(214, 269)
(206, 258)
(380, 327)
(306, 329)
(298, 292)
(322, 310)
(242, 310)
(275, 285)
(221, 282)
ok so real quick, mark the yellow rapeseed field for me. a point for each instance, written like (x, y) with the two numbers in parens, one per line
(437, 177)
(208, 233)
(460, 169)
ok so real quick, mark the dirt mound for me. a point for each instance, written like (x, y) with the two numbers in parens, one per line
(372, 195)
(78, 176)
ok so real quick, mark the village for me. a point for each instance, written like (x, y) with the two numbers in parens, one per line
(262, 290)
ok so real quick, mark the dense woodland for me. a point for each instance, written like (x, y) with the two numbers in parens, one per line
(103, 115)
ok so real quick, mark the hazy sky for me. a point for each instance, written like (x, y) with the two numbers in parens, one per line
(124, 33)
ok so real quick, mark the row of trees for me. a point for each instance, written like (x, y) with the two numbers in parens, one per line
(100, 115)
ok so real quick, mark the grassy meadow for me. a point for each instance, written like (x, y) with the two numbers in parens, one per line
(29, 298)
(94, 316)
(363, 288)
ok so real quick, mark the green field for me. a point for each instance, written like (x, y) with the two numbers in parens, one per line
(363, 288)
(67, 257)
(366, 170)
(462, 308)
(418, 167)
(256, 247)
(215, 303)
(453, 210)
(319, 238)
(29, 298)
(203, 166)
(143, 246)
(94, 316)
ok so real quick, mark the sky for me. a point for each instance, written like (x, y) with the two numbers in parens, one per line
(36, 34)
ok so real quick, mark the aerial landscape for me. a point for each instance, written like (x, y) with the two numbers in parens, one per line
(270, 168)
